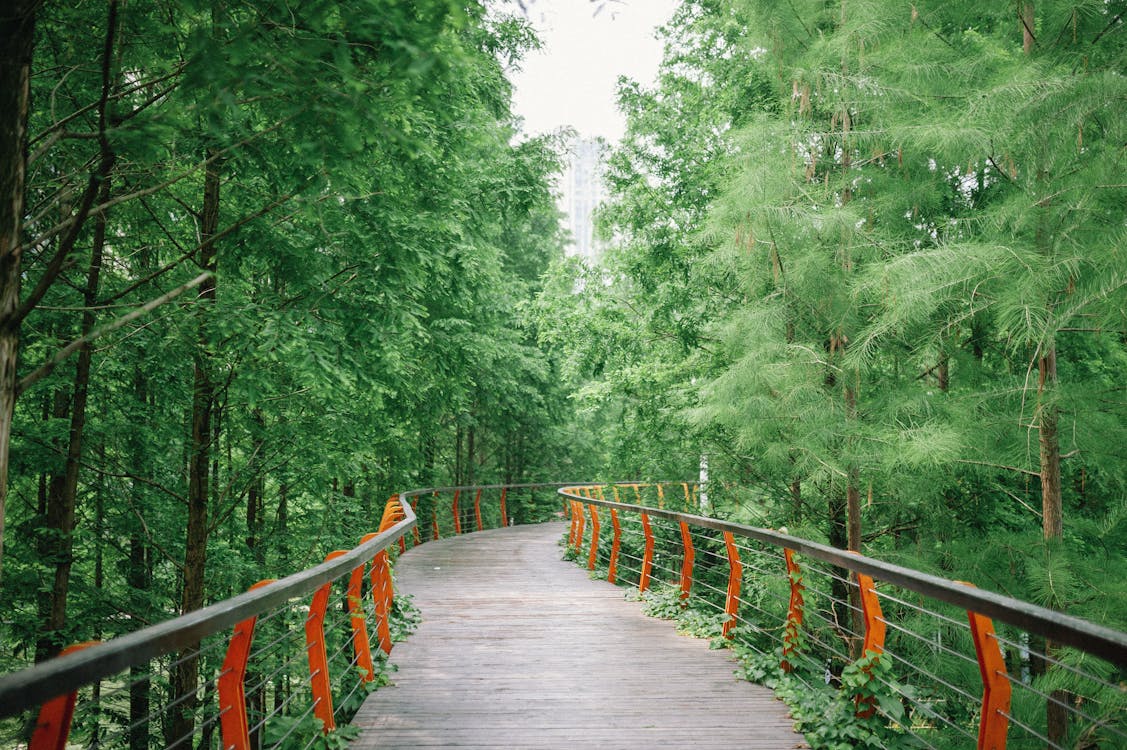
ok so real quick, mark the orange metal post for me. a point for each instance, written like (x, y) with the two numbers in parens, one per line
(318, 654)
(380, 576)
(417, 534)
(688, 497)
(735, 582)
(616, 543)
(996, 689)
(361, 645)
(574, 524)
(874, 634)
(794, 609)
(870, 609)
(434, 515)
(477, 510)
(52, 728)
(504, 511)
(660, 496)
(233, 724)
(687, 562)
(578, 511)
(457, 518)
(648, 555)
(616, 497)
(594, 553)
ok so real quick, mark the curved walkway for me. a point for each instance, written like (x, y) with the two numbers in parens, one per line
(519, 649)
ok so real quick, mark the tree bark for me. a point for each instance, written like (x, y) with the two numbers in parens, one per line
(63, 499)
(184, 678)
(17, 38)
(1027, 27)
(49, 642)
(1052, 511)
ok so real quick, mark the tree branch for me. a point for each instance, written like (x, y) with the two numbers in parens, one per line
(47, 367)
(1018, 469)
(202, 246)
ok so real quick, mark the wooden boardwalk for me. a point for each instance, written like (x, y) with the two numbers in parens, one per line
(519, 649)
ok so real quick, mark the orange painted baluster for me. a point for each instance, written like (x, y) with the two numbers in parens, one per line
(477, 510)
(794, 610)
(380, 576)
(996, 689)
(874, 634)
(647, 555)
(578, 511)
(361, 645)
(434, 516)
(52, 728)
(233, 724)
(417, 533)
(637, 493)
(457, 518)
(318, 655)
(504, 511)
(615, 545)
(660, 497)
(735, 581)
(617, 499)
(574, 524)
(687, 562)
(599, 492)
(688, 497)
(594, 553)
(870, 610)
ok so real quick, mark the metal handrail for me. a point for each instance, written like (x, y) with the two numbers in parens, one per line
(33, 686)
(1094, 639)
(29, 688)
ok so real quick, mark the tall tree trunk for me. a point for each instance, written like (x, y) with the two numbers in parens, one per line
(471, 437)
(184, 678)
(458, 455)
(255, 502)
(1027, 27)
(64, 496)
(17, 39)
(139, 686)
(1052, 511)
(137, 573)
(49, 642)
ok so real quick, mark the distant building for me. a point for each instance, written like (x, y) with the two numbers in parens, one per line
(582, 190)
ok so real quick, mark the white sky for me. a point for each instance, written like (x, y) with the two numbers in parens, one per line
(571, 80)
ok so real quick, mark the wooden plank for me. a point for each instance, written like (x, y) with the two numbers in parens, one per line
(519, 649)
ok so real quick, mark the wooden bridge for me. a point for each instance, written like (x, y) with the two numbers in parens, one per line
(518, 648)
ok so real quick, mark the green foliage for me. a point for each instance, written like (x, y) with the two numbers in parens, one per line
(381, 236)
(843, 239)
(405, 617)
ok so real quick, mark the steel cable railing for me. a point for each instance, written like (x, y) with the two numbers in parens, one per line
(910, 654)
(295, 667)
(276, 667)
